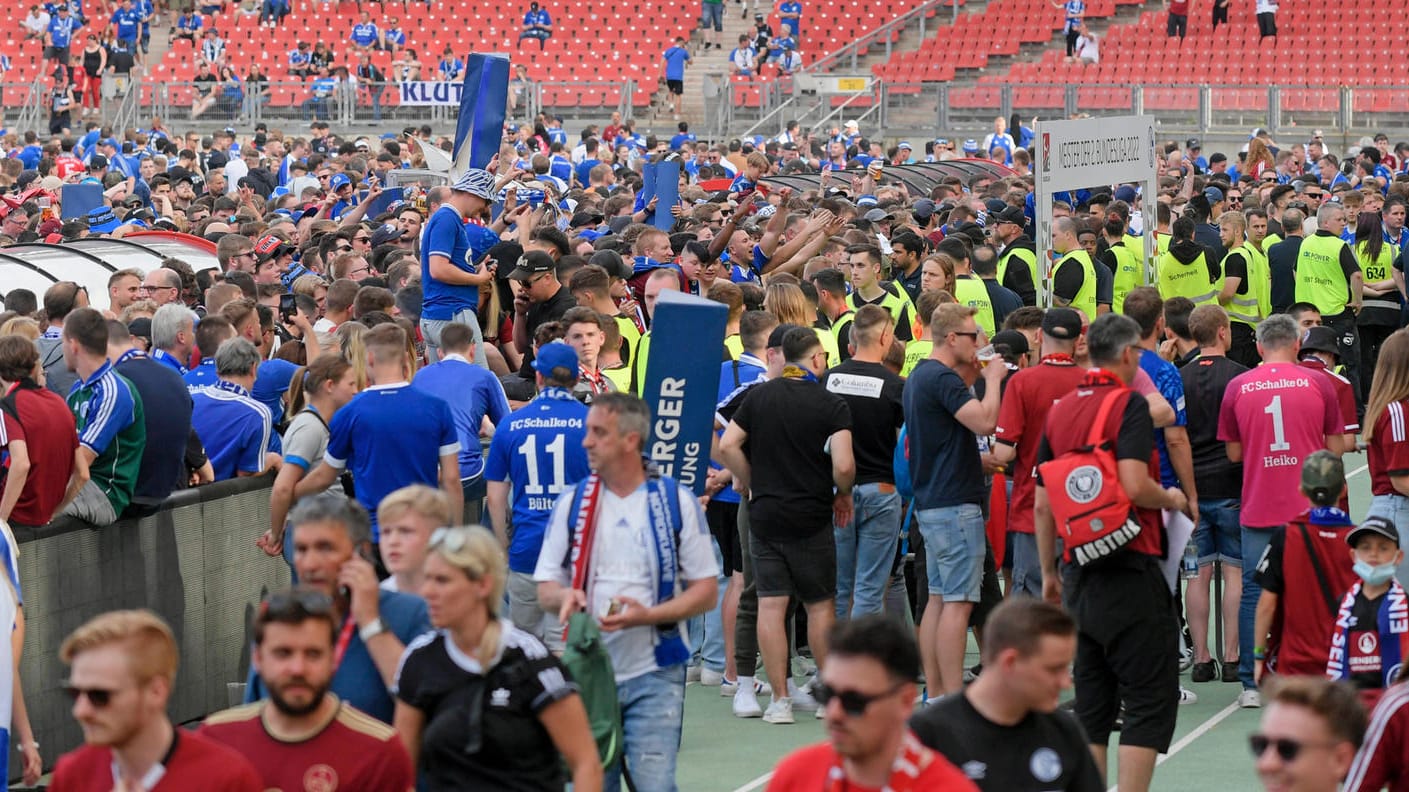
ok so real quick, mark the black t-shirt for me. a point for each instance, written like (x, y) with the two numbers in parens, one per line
(515, 751)
(789, 422)
(1068, 280)
(204, 83)
(1205, 379)
(1235, 265)
(1105, 282)
(874, 395)
(1044, 752)
(550, 310)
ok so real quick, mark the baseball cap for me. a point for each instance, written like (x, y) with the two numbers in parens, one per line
(775, 338)
(555, 355)
(923, 210)
(1008, 214)
(1063, 323)
(141, 327)
(1213, 194)
(532, 263)
(866, 200)
(101, 220)
(905, 145)
(1323, 477)
(1193, 143)
(875, 216)
(271, 246)
(995, 205)
(1125, 193)
(97, 162)
(853, 124)
(970, 146)
(338, 182)
(385, 233)
(1375, 525)
(1014, 340)
(1320, 339)
(613, 263)
(476, 182)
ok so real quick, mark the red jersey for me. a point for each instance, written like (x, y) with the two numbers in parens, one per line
(1027, 399)
(195, 762)
(1280, 413)
(1345, 395)
(1179, 7)
(45, 426)
(1383, 760)
(353, 752)
(1389, 448)
(810, 770)
(1305, 618)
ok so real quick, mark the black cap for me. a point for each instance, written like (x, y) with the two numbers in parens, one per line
(532, 263)
(1013, 340)
(1008, 214)
(1375, 525)
(1320, 339)
(140, 327)
(775, 338)
(1193, 143)
(1063, 323)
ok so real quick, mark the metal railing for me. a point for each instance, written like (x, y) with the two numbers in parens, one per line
(29, 98)
(936, 108)
(884, 35)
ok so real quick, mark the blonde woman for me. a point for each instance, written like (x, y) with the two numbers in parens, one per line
(407, 517)
(480, 703)
(349, 338)
(1385, 410)
(787, 302)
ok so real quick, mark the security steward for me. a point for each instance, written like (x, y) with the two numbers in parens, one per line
(1328, 276)
(1074, 275)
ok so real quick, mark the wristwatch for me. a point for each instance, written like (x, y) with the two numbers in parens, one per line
(372, 629)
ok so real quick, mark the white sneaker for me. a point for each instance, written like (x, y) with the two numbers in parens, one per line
(746, 704)
(1250, 699)
(710, 678)
(729, 687)
(692, 673)
(801, 697)
(780, 711)
(1187, 696)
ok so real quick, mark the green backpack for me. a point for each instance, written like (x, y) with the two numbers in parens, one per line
(587, 661)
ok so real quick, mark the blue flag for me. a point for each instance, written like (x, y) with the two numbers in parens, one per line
(682, 381)
(480, 127)
(667, 193)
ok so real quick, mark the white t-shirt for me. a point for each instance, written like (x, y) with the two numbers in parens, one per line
(623, 564)
(1088, 49)
(1266, 6)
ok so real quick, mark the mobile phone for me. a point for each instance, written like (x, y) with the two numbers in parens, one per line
(287, 307)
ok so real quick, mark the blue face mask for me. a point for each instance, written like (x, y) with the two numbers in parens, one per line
(1375, 575)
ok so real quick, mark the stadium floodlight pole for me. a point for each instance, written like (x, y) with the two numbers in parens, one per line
(1090, 152)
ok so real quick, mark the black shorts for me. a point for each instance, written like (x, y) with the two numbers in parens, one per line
(801, 568)
(1220, 14)
(60, 54)
(1266, 24)
(1177, 25)
(723, 519)
(1127, 650)
(676, 87)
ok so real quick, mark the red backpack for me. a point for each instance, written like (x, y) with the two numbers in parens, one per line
(1094, 516)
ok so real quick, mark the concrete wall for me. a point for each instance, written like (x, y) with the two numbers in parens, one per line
(193, 562)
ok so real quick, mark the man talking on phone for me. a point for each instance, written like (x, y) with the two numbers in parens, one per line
(332, 544)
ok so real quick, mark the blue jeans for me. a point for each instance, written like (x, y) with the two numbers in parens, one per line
(1255, 541)
(707, 630)
(712, 15)
(1027, 569)
(652, 712)
(1218, 534)
(1393, 507)
(866, 550)
(955, 545)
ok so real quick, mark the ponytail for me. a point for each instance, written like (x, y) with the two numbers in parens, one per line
(309, 380)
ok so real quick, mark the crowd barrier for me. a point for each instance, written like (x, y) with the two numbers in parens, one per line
(194, 562)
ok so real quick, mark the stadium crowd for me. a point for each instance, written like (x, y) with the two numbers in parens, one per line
(889, 471)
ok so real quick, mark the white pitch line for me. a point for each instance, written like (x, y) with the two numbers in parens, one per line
(756, 783)
(1199, 731)
(1358, 470)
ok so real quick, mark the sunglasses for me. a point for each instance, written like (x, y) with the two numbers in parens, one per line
(1314, 196)
(1287, 749)
(98, 697)
(452, 539)
(973, 335)
(852, 702)
(361, 239)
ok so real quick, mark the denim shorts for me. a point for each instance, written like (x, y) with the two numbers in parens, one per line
(954, 549)
(1219, 534)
